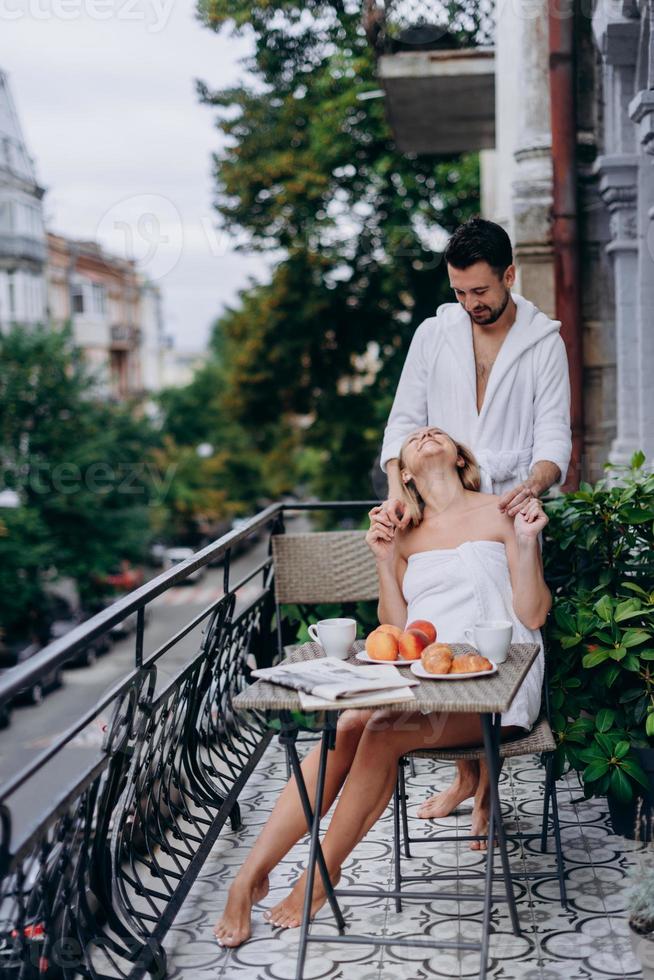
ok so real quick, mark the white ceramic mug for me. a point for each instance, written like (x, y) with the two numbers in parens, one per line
(492, 638)
(335, 636)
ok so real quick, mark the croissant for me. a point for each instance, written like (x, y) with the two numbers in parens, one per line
(467, 663)
(437, 658)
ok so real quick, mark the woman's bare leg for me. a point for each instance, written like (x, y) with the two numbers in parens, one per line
(285, 827)
(369, 787)
(464, 786)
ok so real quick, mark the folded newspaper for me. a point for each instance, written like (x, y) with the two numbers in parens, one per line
(328, 680)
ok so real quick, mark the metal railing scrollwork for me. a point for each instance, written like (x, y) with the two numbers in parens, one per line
(428, 25)
(94, 869)
(90, 881)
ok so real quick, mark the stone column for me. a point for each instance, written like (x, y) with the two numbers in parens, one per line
(641, 112)
(618, 179)
(616, 34)
(532, 179)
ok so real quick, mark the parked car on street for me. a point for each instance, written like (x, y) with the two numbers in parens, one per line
(88, 655)
(175, 556)
(64, 618)
(125, 578)
(157, 554)
(126, 625)
(13, 653)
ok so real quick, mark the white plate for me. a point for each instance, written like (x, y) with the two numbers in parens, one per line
(419, 671)
(365, 659)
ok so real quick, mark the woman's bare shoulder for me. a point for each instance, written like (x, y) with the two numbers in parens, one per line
(406, 540)
(498, 523)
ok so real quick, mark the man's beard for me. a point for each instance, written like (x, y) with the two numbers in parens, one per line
(492, 315)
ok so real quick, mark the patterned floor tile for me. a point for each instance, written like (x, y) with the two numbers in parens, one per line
(587, 941)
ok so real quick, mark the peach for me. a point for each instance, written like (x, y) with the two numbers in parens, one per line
(381, 646)
(425, 627)
(412, 643)
(387, 628)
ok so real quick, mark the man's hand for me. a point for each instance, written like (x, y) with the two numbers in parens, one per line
(396, 512)
(515, 499)
(543, 474)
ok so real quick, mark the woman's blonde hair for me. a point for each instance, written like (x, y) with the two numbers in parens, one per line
(468, 474)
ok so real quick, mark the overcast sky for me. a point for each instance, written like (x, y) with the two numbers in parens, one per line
(106, 96)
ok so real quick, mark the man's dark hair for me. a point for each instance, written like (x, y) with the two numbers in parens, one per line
(479, 240)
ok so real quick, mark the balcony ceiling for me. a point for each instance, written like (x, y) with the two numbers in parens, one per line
(440, 101)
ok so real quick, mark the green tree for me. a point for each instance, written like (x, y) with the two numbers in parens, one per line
(25, 551)
(222, 479)
(79, 465)
(310, 173)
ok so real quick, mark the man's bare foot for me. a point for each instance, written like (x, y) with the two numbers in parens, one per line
(480, 815)
(287, 914)
(445, 803)
(234, 926)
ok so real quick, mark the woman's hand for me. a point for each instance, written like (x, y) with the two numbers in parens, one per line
(381, 536)
(530, 520)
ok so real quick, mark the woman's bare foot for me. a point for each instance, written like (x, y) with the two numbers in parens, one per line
(287, 914)
(443, 804)
(480, 815)
(234, 926)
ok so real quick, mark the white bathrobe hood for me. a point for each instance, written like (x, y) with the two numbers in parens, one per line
(525, 415)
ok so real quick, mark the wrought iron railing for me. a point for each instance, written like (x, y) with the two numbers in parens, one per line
(91, 880)
(406, 25)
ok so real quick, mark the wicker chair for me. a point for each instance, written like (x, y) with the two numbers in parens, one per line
(320, 567)
(323, 566)
(538, 741)
(336, 566)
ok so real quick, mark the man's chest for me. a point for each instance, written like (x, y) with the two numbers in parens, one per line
(460, 384)
(485, 353)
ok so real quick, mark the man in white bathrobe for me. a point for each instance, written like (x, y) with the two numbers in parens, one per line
(492, 371)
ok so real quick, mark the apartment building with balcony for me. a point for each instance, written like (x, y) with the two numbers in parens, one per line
(100, 295)
(116, 314)
(23, 250)
(557, 99)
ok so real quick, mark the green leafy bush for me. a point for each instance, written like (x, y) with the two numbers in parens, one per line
(598, 560)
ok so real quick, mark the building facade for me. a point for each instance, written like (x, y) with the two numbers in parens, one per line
(518, 192)
(116, 315)
(612, 103)
(23, 250)
(100, 296)
(625, 168)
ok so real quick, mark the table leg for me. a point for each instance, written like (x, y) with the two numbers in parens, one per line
(491, 729)
(488, 897)
(316, 856)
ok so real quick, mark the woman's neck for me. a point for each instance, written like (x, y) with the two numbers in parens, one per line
(440, 490)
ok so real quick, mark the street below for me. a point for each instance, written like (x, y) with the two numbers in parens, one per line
(34, 728)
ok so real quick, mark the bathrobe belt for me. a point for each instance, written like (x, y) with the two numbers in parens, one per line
(498, 466)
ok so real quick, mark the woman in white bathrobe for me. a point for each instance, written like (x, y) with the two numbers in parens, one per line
(460, 558)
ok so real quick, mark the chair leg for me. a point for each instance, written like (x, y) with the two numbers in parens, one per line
(546, 803)
(396, 839)
(560, 868)
(405, 814)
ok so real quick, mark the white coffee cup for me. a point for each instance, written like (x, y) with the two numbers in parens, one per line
(492, 637)
(335, 636)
